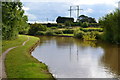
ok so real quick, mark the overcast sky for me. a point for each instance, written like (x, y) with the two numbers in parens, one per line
(41, 10)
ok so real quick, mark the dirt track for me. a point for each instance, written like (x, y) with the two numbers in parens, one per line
(2, 59)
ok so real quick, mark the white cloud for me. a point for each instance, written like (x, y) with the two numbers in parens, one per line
(25, 8)
(42, 22)
(88, 10)
(91, 2)
(31, 16)
(79, 2)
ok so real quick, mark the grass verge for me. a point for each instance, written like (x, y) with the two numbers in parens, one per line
(71, 35)
(20, 64)
(10, 43)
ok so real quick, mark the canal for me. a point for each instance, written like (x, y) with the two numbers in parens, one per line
(67, 57)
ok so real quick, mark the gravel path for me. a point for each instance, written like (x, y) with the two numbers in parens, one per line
(2, 59)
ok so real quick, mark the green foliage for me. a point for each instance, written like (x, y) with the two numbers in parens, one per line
(9, 33)
(64, 19)
(94, 24)
(58, 32)
(13, 19)
(50, 33)
(53, 28)
(35, 28)
(98, 35)
(68, 23)
(78, 34)
(91, 29)
(85, 24)
(76, 24)
(83, 18)
(60, 25)
(68, 31)
(89, 36)
(111, 26)
(40, 33)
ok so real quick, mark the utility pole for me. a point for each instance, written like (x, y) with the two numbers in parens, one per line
(70, 10)
(47, 20)
(78, 10)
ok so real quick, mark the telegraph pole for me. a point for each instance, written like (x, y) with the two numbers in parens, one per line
(78, 10)
(70, 10)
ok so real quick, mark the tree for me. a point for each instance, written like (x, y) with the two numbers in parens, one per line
(64, 19)
(34, 28)
(111, 26)
(83, 18)
(13, 19)
(68, 23)
(85, 24)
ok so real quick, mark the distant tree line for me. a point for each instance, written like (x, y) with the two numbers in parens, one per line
(13, 20)
(83, 18)
(83, 21)
(64, 19)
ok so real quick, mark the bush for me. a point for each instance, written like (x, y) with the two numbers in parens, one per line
(85, 24)
(76, 24)
(35, 28)
(89, 36)
(68, 31)
(91, 29)
(98, 35)
(78, 34)
(94, 24)
(53, 27)
(111, 25)
(40, 33)
(58, 32)
(50, 33)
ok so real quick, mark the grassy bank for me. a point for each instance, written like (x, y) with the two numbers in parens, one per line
(10, 43)
(69, 35)
(20, 64)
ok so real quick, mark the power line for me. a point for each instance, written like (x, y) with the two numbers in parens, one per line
(77, 9)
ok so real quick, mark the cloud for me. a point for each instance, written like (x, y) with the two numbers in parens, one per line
(40, 11)
(44, 10)
(25, 8)
(31, 17)
(88, 10)
(79, 2)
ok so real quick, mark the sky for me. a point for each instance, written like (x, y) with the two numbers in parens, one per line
(49, 10)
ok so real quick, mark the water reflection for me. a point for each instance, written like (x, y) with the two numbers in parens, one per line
(72, 58)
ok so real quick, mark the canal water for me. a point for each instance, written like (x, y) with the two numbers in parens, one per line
(67, 57)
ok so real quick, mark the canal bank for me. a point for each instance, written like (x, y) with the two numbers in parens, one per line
(20, 64)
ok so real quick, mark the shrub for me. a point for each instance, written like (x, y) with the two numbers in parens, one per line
(78, 34)
(85, 24)
(68, 31)
(58, 32)
(35, 28)
(53, 27)
(40, 33)
(50, 33)
(91, 29)
(111, 25)
(98, 35)
(89, 36)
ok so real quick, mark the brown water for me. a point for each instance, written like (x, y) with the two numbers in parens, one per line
(67, 57)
